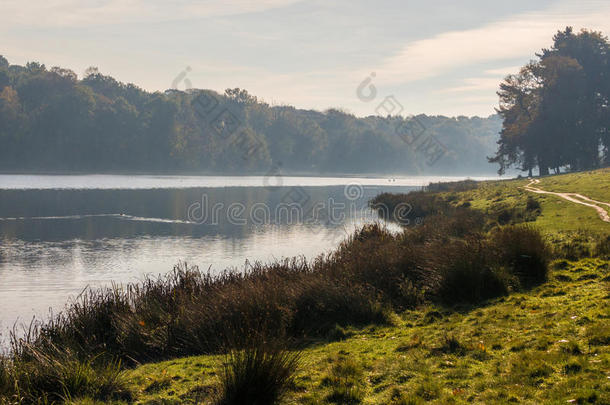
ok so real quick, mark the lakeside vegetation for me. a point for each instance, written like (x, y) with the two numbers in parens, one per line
(547, 345)
(470, 306)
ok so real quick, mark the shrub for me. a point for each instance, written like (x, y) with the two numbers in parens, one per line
(532, 204)
(460, 223)
(260, 374)
(61, 377)
(523, 252)
(470, 285)
(407, 207)
(466, 277)
(322, 304)
(463, 185)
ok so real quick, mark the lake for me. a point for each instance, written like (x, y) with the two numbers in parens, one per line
(60, 234)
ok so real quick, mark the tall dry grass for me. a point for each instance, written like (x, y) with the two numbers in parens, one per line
(449, 259)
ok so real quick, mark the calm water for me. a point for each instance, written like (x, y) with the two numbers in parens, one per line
(60, 234)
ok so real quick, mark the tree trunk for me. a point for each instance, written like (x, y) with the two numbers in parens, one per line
(543, 167)
(543, 170)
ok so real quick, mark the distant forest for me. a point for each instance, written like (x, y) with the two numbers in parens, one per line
(50, 120)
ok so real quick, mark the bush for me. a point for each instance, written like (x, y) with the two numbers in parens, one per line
(323, 304)
(523, 252)
(466, 275)
(463, 185)
(406, 208)
(532, 204)
(260, 374)
(61, 377)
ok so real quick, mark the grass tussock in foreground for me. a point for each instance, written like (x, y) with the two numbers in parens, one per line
(260, 374)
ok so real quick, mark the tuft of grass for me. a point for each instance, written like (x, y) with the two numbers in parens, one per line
(599, 334)
(260, 374)
(345, 380)
(61, 377)
(451, 345)
(428, 389)
(531, 368)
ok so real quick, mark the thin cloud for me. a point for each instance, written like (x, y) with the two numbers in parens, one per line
(504, 71)
(475, 84)
(514, 38)
(75, 13)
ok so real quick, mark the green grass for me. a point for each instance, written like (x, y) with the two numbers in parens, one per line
(558, 215)
(593, 184)
(548, 345)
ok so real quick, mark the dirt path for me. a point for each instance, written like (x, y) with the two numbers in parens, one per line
(575, 198)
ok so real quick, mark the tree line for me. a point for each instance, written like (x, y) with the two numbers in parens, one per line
(556, 110)
(51, 120)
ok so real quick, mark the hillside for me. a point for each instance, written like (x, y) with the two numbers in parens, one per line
(557, 215)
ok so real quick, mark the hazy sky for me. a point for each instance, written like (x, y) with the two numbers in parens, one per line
(436, 57)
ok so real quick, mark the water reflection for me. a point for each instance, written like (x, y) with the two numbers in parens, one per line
(53, 243)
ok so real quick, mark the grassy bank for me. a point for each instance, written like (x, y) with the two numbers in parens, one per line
(556, 215)
(571, 229)
(462, 308)
(547, 345)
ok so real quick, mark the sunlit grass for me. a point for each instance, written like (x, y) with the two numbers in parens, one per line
(547, 345)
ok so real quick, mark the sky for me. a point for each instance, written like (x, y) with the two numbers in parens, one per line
(388, 56)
